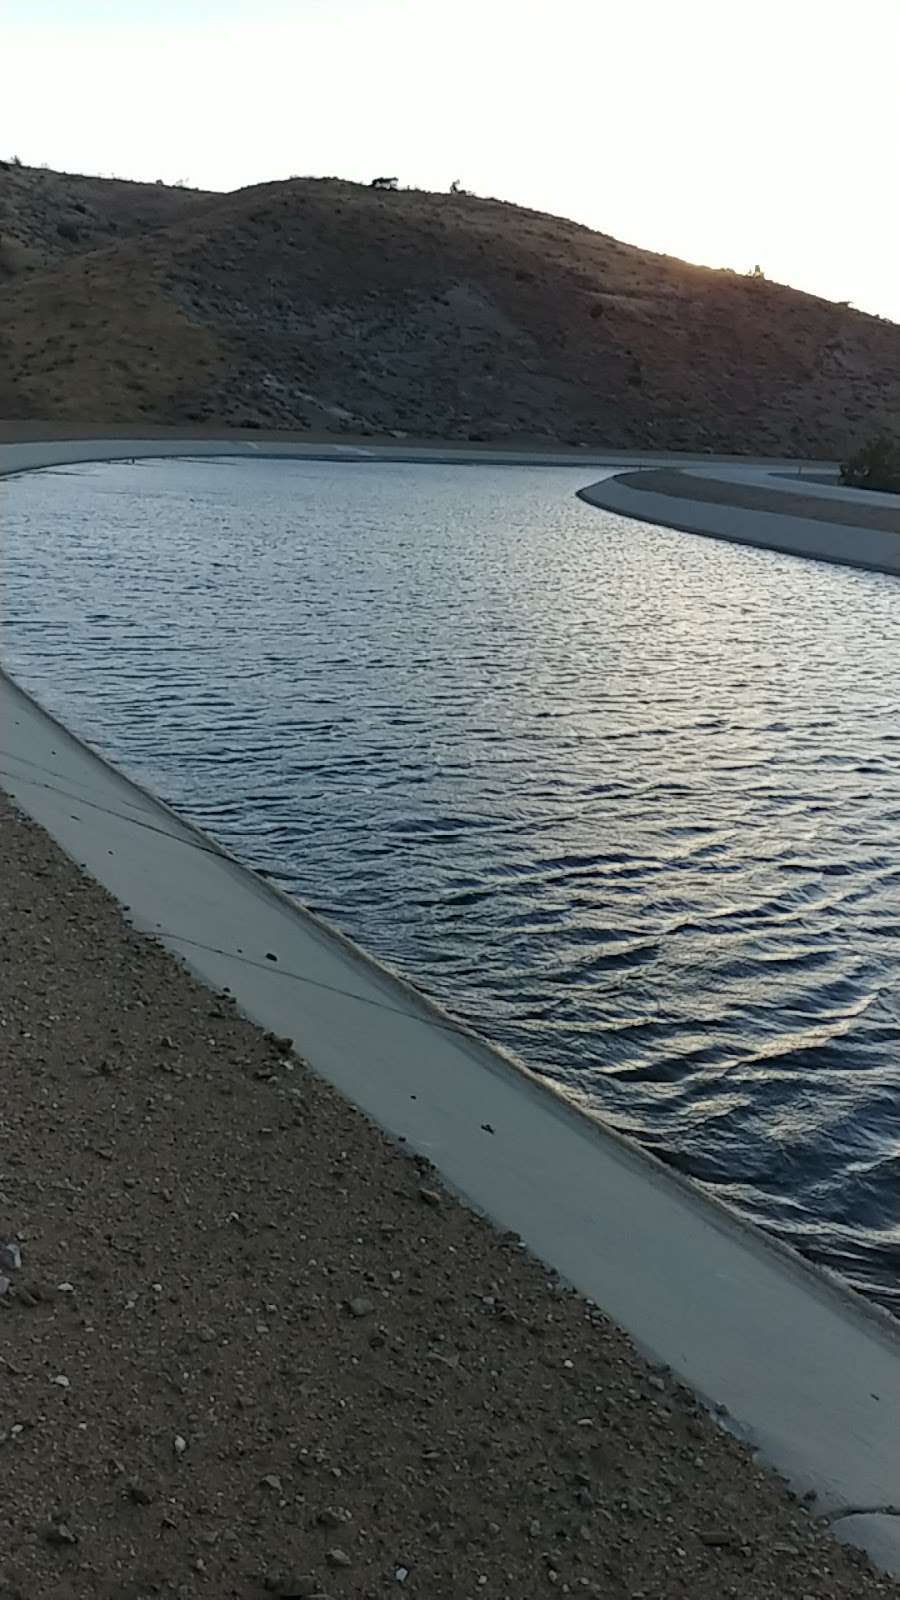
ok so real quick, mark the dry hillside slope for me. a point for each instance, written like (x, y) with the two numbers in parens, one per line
(317, 303)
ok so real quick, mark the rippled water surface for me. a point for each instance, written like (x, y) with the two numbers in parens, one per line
(626, 800)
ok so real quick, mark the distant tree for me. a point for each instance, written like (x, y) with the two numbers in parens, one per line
(875, 466)
(384, 183)
(756, 272)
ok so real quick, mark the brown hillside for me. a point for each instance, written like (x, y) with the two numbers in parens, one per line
(47, 216)
(325, 304)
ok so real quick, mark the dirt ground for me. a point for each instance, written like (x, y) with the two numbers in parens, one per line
(252, 1348)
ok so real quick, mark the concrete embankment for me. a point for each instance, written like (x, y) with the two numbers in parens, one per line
(249, 1348)
(807, 1373)
(762, 508)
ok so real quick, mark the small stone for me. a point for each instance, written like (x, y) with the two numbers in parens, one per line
(534, 1529)
(715, 1537)
(61, 1381)
(179, 1444)
(137, 1494)
(271, 1480)
(65, 1288)
(5, 1285)
(656, 1383)
(60, 1533)
(784, 1549)
(328, 1517)
(360, 1306)
(10, 1255)
(167, 1042)
(302, 1587)
(339, 1558)
(429, 1197)
(401, 1574)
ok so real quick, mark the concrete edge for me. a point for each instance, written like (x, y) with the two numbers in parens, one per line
(858, 1325)
(836, 543)
(495, 1057)
(847, 1345)
(498, 1058)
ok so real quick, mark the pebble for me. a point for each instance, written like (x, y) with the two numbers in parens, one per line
(401, 1574)
(60, 1533)
(361, 1307)
(10, 1255)
(271, 1480)
(328, 1517)
(179, 1444)
(339, 1558)
(429, 1197)
(61, 1381)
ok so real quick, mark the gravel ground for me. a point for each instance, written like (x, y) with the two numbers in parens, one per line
(253, 1348)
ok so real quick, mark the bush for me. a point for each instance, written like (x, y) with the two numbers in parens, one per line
(875, 466)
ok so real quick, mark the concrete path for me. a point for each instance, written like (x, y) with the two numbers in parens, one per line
(808, 1373)
(25, 455)
(762, 507)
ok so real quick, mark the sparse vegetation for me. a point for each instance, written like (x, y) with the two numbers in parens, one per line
(315, 303)
(875, 466)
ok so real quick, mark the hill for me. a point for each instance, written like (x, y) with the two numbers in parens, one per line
(322, 304)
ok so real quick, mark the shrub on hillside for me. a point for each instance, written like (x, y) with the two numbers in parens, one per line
(875, 466)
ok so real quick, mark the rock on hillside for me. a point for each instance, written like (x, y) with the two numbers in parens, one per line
(316, 303)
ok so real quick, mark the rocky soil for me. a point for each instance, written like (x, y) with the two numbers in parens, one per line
(326, 305)
(247, 1347)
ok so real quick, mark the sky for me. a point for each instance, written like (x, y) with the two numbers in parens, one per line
(724, 133)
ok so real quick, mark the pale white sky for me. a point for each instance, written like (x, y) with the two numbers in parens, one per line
(725, 133)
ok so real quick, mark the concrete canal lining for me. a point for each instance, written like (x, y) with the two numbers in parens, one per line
(747, 505)
(808, 1373)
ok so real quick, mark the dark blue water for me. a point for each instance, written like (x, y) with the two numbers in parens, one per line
(627, 800)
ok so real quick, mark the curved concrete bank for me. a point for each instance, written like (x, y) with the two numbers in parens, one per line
(807, 1371)
(763, 508)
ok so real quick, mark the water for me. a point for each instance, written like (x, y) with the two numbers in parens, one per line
(627, 801)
